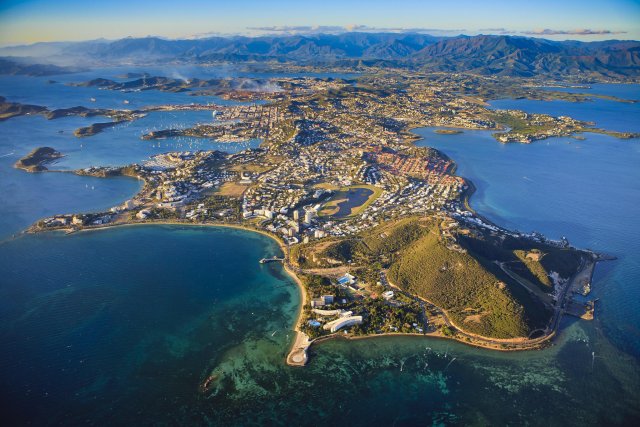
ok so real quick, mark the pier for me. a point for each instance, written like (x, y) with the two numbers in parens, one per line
(272, 259)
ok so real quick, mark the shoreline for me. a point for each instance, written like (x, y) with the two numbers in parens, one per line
(298, 352)
(301, 341)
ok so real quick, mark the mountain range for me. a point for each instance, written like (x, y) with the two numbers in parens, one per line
(482, 54)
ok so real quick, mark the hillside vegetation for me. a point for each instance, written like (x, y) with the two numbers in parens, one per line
(474, 297)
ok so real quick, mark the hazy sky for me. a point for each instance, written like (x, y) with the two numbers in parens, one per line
(28, 21)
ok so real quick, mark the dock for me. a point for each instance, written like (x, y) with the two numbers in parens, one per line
(272, 259)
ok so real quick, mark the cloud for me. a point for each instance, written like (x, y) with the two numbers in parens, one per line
(335, 29)
(298, 29)
(576, 32)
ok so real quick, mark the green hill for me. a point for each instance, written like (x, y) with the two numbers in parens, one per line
(456, 268)
(476, 299)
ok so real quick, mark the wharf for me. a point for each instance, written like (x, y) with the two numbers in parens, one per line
(272, 259)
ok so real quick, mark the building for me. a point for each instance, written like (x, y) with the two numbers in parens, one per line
(309, 214)
(143, 214)
(342, 323)
(322, 301)
(387, 295)
(347, 280)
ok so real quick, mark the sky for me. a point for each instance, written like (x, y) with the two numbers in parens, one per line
(30, 21)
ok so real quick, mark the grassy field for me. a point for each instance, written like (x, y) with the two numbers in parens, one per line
(512, 251)
(535, 268)
(232, 189)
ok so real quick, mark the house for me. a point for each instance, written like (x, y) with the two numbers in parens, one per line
(346, 280)
(143, 214)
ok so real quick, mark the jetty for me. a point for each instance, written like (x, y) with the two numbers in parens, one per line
(272, 259)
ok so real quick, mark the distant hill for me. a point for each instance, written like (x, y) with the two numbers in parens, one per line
(482, 54)
(12, 67)
(527, 57)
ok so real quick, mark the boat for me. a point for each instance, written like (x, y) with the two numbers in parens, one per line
(92, 99)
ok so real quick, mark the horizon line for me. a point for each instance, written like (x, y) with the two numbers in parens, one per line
(211, 35)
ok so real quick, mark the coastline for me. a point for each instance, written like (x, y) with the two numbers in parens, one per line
(495, 344)
(338, 336)
(297, 355)
(298, 352)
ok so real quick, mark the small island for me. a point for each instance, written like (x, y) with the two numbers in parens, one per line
(15, 109)
(95, 128)
(36, 160)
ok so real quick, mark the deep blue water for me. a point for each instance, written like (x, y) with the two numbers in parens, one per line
(26, 198)
(122, 326)
(588, 191)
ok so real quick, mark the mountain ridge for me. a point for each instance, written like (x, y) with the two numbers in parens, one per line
(514, 56)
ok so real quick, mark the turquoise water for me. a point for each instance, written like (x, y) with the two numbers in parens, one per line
(122, 326)
(98, 326)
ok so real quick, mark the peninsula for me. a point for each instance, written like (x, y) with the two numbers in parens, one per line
(376, 230)
(36, 160)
